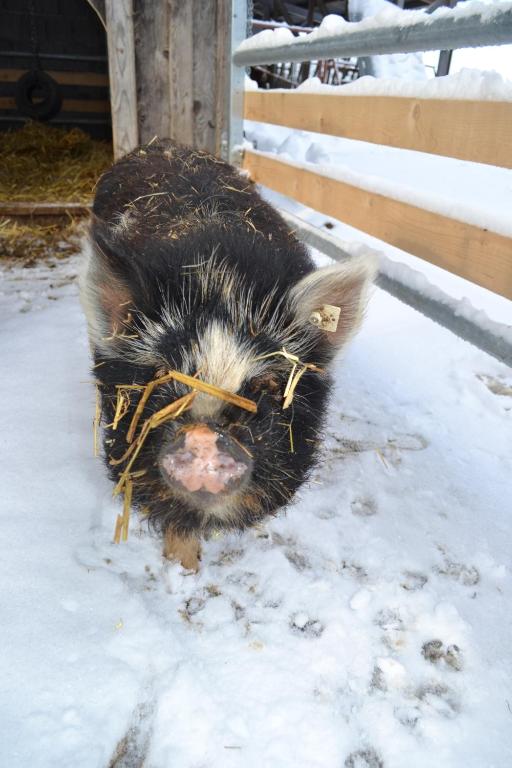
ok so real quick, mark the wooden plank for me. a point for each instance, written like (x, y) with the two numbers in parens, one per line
(68, 105)
(152, 68)
(85, 105)
(204, 74)
(121, 65)
(181, 69)
(199, 72)
(43, 209)
(479, 131)
(63, 78)
(476, 254)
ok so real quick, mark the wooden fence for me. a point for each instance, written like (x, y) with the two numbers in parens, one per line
(479, 131)
(475, 131)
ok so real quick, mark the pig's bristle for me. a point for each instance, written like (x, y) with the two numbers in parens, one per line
(97, 420)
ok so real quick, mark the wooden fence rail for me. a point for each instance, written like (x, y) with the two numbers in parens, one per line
(479, 131)
(475, 131)
(471, 252)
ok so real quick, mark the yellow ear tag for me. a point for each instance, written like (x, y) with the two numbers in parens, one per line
(326, 318)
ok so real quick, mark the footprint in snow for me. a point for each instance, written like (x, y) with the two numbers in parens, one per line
(193, 605)
(228, 556)
(325, 513)
(291, 551)
(354, 570)
(438, 697)
(302, 625)
(428, 699)
(363, 507)
(273, 603)
(412, 581)
(364, 758)
(196, 603)
(389, 449)
(498, 385)
(435, 652)
(238, 610)
(298, 560)
(388, 619)
(247, 579)
(131, 751)
(393, 628)
(467, 575)
(407, 716)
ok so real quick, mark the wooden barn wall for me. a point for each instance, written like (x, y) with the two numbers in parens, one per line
(179, 65)
(72, 49)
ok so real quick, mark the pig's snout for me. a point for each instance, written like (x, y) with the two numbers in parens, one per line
(205, 460)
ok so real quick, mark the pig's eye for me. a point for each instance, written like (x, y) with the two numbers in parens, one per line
(266, 383)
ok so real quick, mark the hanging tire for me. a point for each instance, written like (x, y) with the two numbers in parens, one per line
(38, 95)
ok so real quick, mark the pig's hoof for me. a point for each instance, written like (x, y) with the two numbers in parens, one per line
(184, 550)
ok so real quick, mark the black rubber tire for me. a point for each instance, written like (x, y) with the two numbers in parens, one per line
(49, 100)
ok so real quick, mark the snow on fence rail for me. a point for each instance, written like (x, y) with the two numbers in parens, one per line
(477, 131)
(466, 25)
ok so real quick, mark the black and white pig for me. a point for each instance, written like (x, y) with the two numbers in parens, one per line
(191, 270)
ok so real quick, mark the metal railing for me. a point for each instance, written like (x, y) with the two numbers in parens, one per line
(459, 27)
(445, 29)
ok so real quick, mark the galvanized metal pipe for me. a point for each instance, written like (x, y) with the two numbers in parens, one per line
(232, 138)
(449, 31)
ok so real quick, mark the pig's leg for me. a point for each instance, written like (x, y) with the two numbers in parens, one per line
(186, 550)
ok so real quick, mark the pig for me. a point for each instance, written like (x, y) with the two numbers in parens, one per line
(191, 270)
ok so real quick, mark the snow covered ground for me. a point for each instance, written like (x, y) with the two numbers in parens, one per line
(368, 626)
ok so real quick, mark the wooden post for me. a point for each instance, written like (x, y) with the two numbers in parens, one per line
(193, 72)
(181, 69)
(199, 72)
(205, 41)
(171, 74)
(151, 25)
(121, 64)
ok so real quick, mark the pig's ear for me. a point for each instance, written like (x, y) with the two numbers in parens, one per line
(333, 299)
(105, 296)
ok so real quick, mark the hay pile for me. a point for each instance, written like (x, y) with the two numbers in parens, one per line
(40, 163)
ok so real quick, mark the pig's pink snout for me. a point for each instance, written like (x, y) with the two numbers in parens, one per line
(205, 460)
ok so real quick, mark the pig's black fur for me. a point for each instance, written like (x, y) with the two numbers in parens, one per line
(172, 229)
(208, 212)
